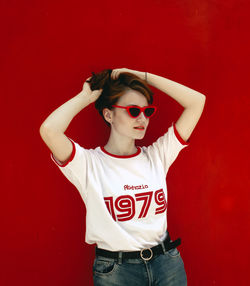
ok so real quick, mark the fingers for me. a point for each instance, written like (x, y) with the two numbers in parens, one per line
(96, 93)
(88, 79)
(115, 73)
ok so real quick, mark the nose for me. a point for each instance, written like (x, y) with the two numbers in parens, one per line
(141, 117)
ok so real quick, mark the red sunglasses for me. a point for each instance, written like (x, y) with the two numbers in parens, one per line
(134, 110)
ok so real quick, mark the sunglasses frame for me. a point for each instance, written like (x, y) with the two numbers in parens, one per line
(142, 109)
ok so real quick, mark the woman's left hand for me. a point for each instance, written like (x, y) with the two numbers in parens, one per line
(116, 72)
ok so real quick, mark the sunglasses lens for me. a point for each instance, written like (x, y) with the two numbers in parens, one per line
(149, 111)
(134, 111)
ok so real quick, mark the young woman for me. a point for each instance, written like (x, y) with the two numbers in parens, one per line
(122, 185)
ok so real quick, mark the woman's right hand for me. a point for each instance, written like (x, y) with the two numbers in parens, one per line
(93, 95)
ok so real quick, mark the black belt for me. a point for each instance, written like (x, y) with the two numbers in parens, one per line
(145, 254)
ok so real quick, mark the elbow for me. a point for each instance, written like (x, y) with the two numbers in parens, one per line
(202, 99)
(44, 130)
(198, 102)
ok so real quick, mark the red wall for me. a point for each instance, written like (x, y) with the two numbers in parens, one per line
(48, 49)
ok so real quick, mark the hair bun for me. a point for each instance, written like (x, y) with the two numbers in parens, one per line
(99, 80)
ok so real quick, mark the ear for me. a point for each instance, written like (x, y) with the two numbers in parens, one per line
(107, 114)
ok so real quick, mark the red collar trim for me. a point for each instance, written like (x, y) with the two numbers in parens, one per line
(122, 157)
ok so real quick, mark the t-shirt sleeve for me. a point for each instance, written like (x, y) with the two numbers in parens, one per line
(168, 146)
(75, 168)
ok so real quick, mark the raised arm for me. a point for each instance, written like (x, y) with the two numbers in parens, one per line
(53, 128)
(192, 101)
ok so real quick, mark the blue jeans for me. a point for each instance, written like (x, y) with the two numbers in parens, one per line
(162, 270)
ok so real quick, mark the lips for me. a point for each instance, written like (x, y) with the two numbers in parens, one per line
(140, 127)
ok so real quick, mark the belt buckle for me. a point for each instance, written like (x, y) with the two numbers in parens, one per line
(146, 258)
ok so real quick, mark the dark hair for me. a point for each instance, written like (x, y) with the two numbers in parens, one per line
(113, 89)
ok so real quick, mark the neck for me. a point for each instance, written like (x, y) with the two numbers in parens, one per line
(120, 146)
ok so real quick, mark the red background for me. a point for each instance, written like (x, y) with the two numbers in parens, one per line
(48, 49)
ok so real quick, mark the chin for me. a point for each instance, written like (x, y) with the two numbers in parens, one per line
(140, 137)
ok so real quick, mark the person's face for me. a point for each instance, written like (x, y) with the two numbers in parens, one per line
(123, 123)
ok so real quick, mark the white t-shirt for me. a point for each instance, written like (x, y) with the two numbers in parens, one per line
(125, 196)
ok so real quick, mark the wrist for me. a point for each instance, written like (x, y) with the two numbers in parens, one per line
(84, 98)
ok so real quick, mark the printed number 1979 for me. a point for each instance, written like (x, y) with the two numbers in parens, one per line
(125, 205)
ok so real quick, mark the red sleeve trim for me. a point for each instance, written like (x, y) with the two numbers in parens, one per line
(70, 158)
(178, 136)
